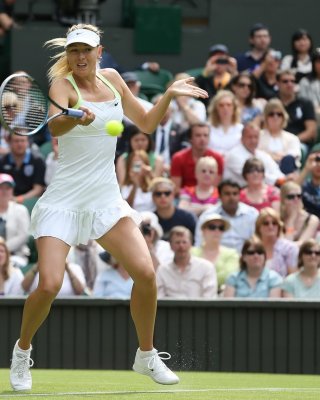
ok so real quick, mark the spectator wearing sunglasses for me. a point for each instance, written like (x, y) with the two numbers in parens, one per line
(281, 253)
(255, 279)
(299, 224)
(302, 119)
(163, 195)
(305, 283)
(283, 146)
(257, 193)
(224, 259)
(244, 88)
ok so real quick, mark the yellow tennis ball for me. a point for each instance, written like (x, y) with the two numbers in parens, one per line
(114, 128)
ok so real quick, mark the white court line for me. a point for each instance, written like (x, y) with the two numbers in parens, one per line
(122, 392)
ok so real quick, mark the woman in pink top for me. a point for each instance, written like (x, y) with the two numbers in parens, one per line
(257, 193)
(200, 197)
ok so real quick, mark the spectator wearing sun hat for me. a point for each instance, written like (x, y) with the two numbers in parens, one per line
(217, 72)
(14, 222)
(224, 259)
(133, 83)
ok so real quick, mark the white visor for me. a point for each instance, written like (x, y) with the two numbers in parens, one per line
(83, 36)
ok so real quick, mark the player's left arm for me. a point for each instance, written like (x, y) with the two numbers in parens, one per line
(148, 121)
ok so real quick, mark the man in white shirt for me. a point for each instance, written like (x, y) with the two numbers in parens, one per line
(242, 217)
(248, 148)
(187, 276)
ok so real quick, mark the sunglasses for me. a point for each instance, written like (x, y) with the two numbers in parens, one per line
(252, 252)
(288, 81)
(165, 193)
(251, 170)
(267, 223)
(214, 227)
(243, 85)
(293, 196)
(10, 106)
(311, 252)
(275, 114)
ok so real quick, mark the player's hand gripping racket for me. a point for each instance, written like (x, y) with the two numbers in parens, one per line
(24, 106)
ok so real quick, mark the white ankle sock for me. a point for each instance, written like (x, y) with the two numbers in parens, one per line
(24, 351)
(147, 353)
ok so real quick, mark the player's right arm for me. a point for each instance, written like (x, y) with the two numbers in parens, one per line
(60, 92)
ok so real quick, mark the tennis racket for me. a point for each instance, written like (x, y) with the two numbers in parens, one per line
(24, 106)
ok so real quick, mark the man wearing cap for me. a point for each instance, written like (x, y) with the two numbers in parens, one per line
(218, 71)
(14, 221)
(187, 276)
(133, 83)
(309, 178)
(259, 40)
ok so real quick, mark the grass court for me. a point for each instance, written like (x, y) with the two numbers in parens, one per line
(127, 385)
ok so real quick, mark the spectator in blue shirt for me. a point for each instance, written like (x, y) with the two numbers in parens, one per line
(254, 279)
(259, 40)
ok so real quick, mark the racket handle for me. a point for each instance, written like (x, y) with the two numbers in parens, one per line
(74, 113)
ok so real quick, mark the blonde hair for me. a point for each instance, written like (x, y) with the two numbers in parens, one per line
(272, 105)
(213, 108)
(286, 188)
(206, 161)
(61, 68)
(9, 98)
(160, 181)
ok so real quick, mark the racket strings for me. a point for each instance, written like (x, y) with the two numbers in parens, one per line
(24, 108)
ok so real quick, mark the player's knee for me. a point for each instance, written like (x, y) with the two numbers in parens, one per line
(146, 274)
(50, 288)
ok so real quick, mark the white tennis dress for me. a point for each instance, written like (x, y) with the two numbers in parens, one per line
(83, 201)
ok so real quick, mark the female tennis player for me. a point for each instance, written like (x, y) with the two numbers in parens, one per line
(83, 201)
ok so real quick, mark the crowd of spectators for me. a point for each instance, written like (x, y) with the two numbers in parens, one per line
(228, 188)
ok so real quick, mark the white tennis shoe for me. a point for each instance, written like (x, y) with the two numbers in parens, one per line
(153, 366)
(20, 376)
